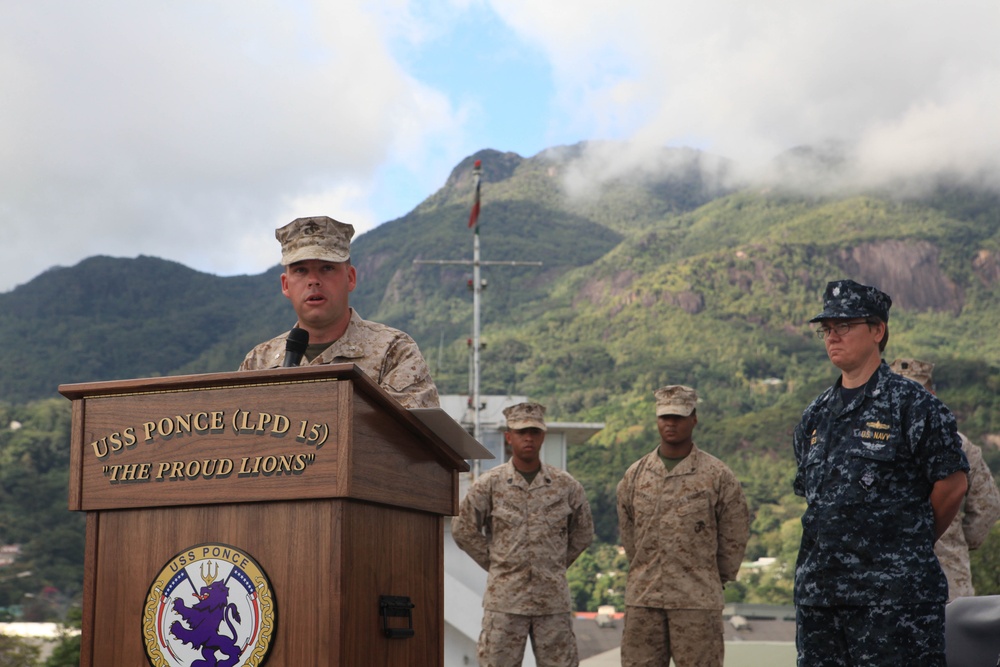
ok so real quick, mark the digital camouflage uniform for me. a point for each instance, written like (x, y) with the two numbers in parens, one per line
(525, 536)
(981, 506)
(971, 526)
(388, 356)
(684, 532)
(866, 470)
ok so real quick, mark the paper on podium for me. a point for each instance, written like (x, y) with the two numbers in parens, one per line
(451, 432)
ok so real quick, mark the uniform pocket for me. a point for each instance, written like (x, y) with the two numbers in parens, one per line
(874, 440)
(874, 451)
(694, 503)
(556, 515)
(692, 516)
(507, 515)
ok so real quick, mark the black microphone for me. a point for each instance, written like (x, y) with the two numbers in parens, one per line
(295, 347)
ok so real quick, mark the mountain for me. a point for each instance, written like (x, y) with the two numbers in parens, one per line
(653, 271)
(109, 318)
(656, 271)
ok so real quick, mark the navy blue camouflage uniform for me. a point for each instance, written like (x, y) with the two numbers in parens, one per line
(866, 470)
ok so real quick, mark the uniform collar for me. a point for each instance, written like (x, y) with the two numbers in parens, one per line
(689, 464)
(514, 477)
(349, 346)
(874, 388)
(685, 467)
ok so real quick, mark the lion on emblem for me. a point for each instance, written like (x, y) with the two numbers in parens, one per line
(205, 619)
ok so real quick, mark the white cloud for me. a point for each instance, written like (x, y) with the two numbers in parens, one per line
(957, 132)
(914, 82)
(191, 130)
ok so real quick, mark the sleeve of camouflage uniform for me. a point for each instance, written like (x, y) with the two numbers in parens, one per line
(933, 434)
(472, 528)
(581, 524)
(626, 517)
(799, 446)
(405, 375)
(982, 503)
(932, 429)
(733, 518)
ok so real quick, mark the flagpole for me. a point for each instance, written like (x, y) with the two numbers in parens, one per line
(477, 290)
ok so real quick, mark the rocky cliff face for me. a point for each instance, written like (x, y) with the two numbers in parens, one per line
(907, 270)
(986, 266)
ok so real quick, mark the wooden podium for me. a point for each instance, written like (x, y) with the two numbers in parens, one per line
(311, 486)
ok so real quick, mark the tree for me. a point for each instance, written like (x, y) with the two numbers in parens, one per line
(67, 652)
(16, 652)
(581, 576)
(986, 564)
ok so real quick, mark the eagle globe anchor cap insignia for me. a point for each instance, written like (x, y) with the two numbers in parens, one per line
(211, 604)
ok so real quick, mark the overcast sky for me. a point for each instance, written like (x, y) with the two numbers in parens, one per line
(189, 130)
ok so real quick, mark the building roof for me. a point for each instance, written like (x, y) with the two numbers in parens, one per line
(491, 416)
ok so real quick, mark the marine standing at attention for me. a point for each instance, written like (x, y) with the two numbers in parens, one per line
(525, 523)
(684, 525)
(318, 279)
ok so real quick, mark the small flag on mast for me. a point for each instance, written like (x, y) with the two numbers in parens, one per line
(477, 173)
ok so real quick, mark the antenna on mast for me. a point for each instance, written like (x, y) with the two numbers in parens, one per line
(477, 285)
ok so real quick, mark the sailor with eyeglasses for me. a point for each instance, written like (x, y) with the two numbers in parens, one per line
(880, 464)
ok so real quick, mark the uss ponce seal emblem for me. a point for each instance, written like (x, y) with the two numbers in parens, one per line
(210, 606)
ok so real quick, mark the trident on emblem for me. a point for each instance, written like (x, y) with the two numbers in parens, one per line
(211, 577)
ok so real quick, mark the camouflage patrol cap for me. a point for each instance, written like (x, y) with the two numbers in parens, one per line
(525, 415)
(919, 371)
(318, 237)
(675, 399)
(846, 300)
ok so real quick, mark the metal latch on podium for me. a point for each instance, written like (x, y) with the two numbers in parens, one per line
(396, 606)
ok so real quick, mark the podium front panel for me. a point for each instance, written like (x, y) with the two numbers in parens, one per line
(328, 562)
(215, 444)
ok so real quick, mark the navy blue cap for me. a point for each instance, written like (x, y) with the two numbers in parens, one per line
(848, 300)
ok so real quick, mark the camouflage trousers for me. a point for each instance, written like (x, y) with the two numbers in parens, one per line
(692, 637)
(501, 643)
(884, 635)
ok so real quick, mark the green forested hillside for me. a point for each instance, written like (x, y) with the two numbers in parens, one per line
(34, 461)
(110, 318)
(646, 280)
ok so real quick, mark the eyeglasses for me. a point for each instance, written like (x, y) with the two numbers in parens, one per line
(840, 328)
